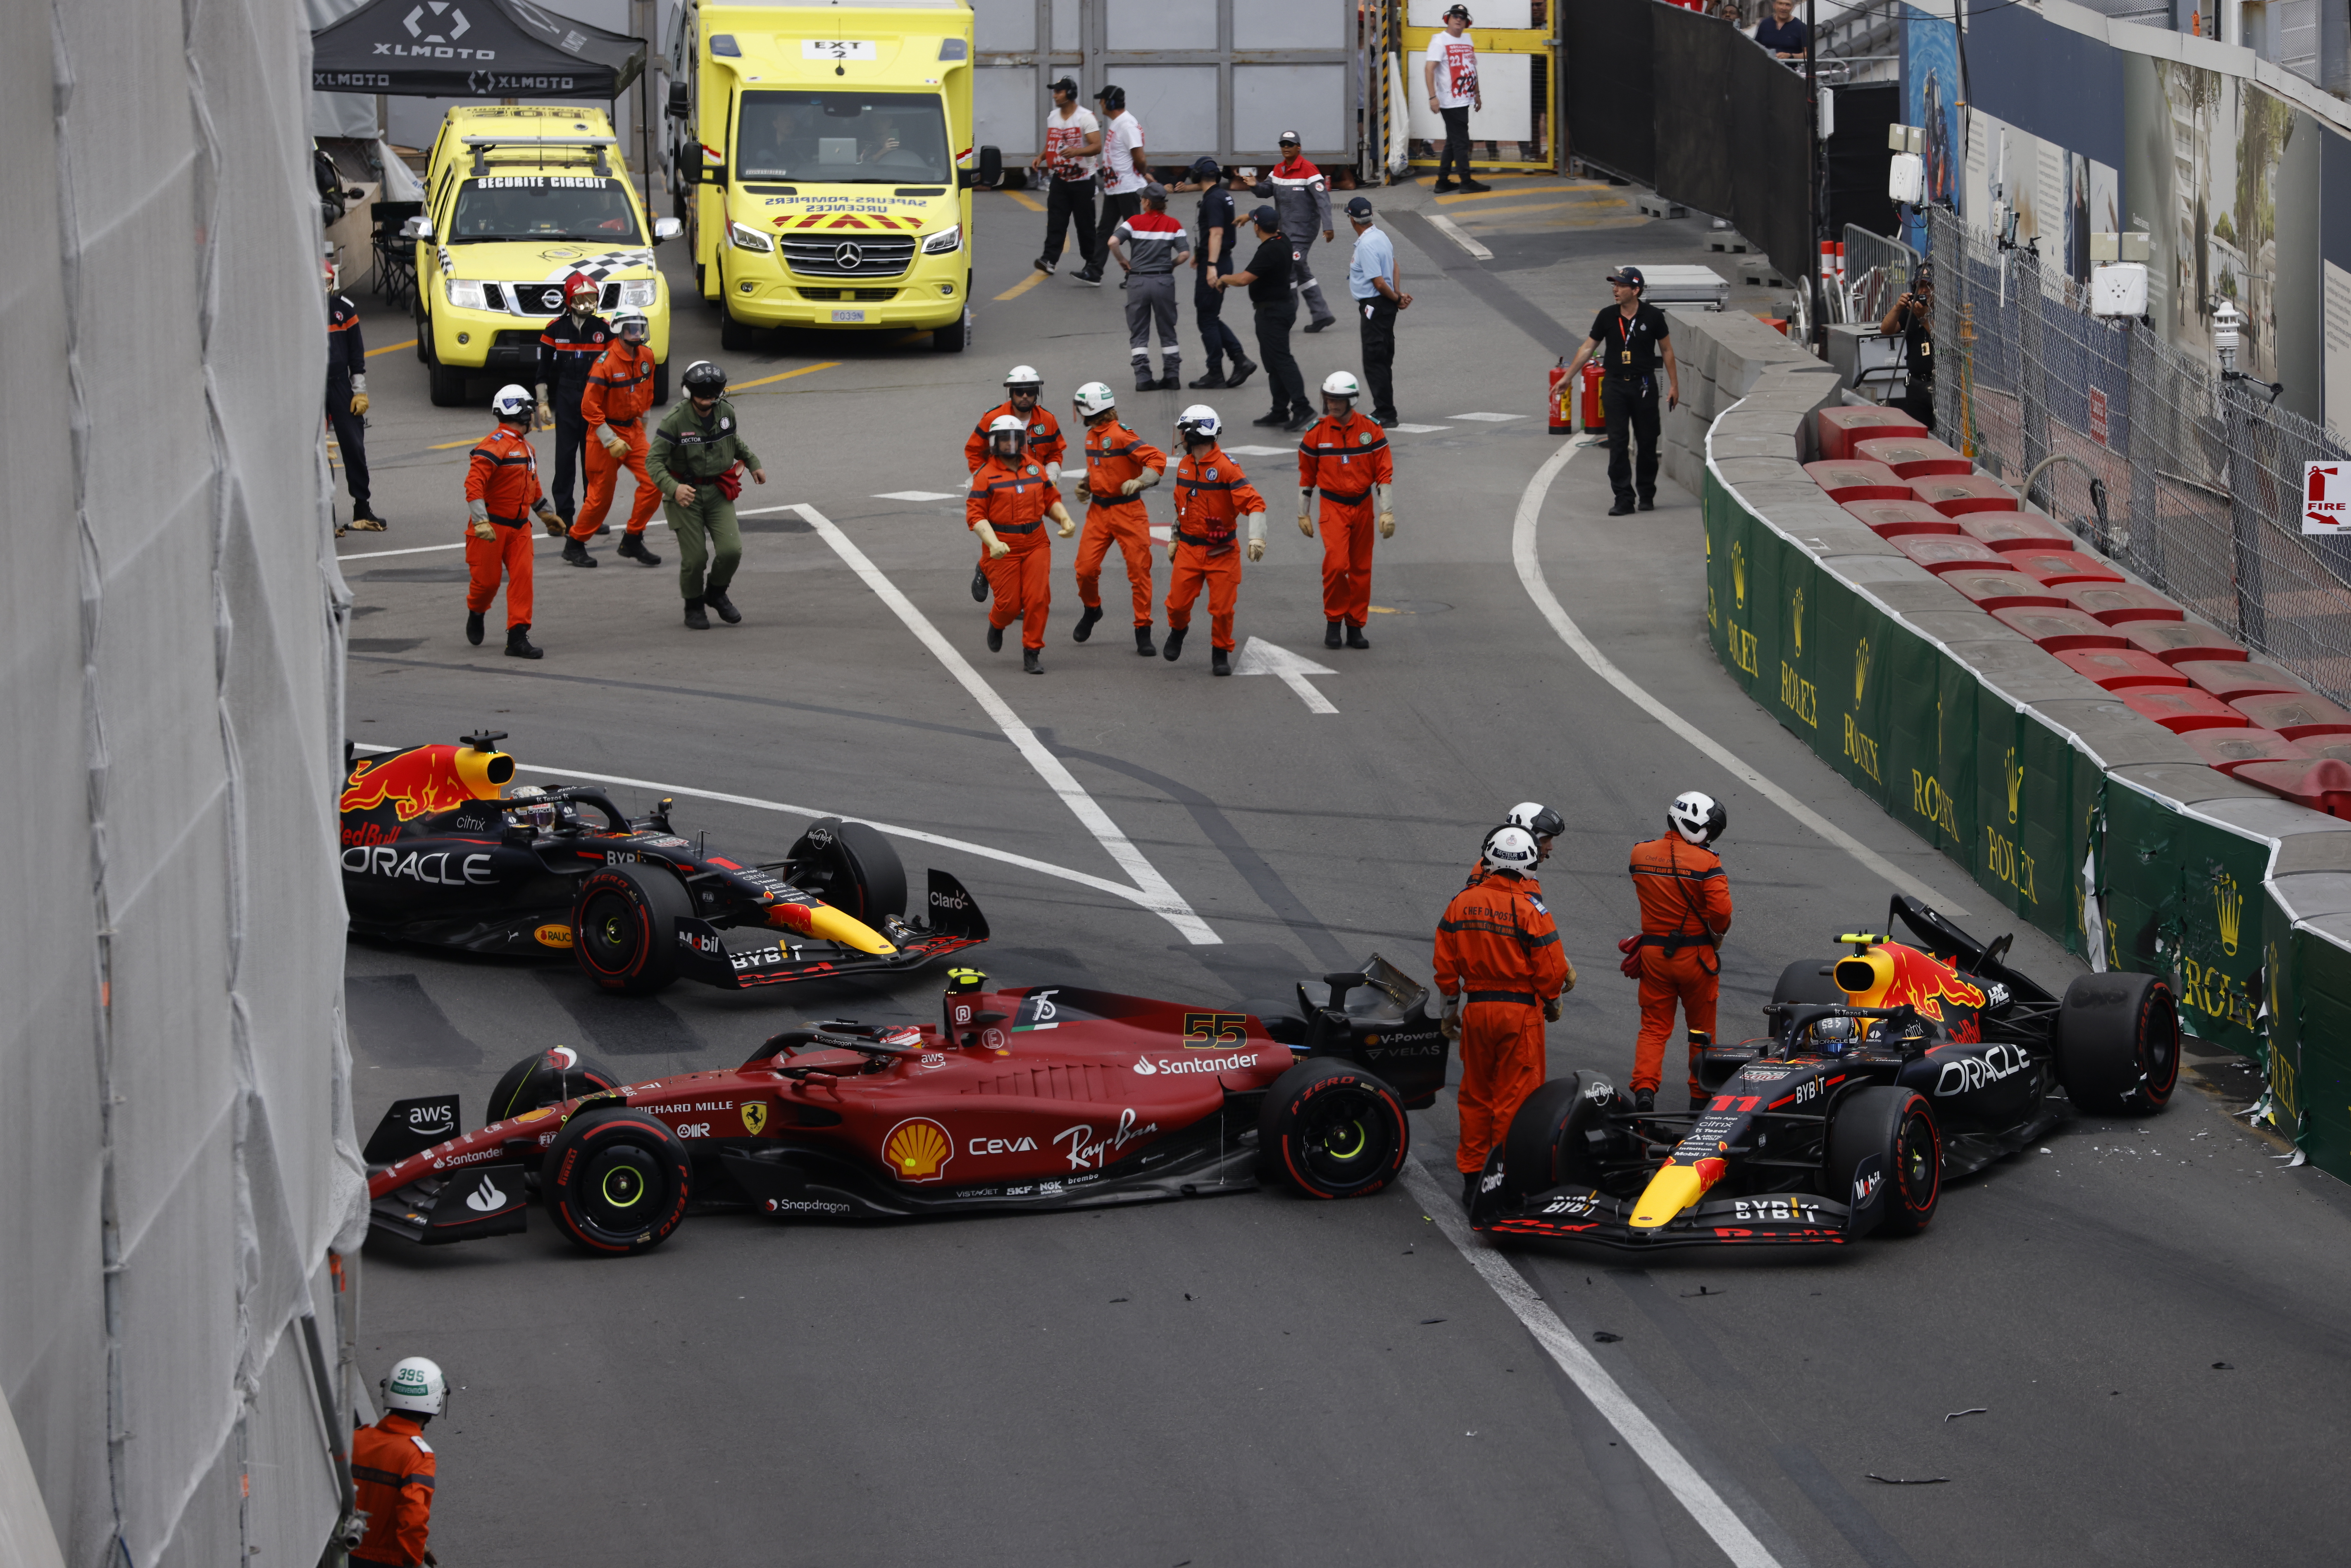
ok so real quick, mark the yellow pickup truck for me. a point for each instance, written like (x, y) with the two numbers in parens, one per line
(517, 198)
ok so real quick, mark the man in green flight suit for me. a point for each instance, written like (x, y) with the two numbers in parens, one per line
(694, 456)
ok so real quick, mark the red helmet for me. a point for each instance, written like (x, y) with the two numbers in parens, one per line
(580, 283)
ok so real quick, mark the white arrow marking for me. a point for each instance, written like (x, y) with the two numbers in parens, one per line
(1259, 657)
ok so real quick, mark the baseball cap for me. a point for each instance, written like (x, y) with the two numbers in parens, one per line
(1289, 137)
(1361, 207)
(1154, 192)
(1067, 84)
(1265, 217)
(1629, 274)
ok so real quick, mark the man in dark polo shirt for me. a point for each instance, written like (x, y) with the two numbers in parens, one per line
(1267, 278)
(1627, 341)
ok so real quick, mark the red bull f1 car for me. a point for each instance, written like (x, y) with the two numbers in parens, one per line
(1888, 1071)
(1041, 1097)
(433, 853)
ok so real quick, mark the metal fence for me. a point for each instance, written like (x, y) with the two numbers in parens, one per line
(2192, 481)
(1877, 272)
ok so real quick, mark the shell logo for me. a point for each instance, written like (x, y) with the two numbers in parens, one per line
(917, 1149)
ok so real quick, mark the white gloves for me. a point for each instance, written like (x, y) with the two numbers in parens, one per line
(1053, 475)
(546, 420)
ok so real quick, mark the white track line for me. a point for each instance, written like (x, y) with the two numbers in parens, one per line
(1046, 868)
(1523, 552)
(1153, 891)
(1679, 1477)
(1457, 234)
(421, 550)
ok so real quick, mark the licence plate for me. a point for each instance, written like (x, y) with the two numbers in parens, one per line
(849, 315)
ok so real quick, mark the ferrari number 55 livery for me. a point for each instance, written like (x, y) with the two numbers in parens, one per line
(430, 853)
(1042, 1097)
(1889, 1070)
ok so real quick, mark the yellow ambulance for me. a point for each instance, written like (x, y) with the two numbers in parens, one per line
(829, 148)
(517, 197)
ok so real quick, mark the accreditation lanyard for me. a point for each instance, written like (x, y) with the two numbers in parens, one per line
(1625, 337)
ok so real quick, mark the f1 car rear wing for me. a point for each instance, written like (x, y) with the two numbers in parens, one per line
(1945, 940)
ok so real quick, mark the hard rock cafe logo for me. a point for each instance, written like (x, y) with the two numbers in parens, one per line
(2229, 908)
(1860, 669)
(1739, 576)
(755, 1116)
(1796, 620)
(917, 1149)
(2013, 771)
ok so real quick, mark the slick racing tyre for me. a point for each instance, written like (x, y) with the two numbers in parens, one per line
(2118, 1044)
(1550, 1136)
(616, 1181)
(1332, 1130)
(624, 926)
(851, 867)
(1805, 981)
(547, 1078)
(1885, 1160)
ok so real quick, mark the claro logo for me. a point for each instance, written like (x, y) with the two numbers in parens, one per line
(446, 867)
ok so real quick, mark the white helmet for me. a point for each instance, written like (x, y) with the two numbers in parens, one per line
(512, 402)
(416, 1385)
(1339, 383)
(1093, 398)
(1537, 819)
(1697, 817)
(1023, 376)
(1009, 424)
(633, 326)
(1511, 849)
(1199, 420)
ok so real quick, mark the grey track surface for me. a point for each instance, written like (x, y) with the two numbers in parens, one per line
(1114, 1387)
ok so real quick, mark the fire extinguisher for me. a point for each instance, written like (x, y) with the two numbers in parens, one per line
(1595, 421)
(1560, 398)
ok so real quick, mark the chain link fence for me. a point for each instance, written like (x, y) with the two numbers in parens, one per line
(2192, 481)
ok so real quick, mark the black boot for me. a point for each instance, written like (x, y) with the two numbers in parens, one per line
(364, 519)
(978, 585)
(1299, 418)
(1085, 627)
(1220, 662)
(575, 553)
(996, 639)
(1143, 642)
(1032, 662)
(1622, 508)
(716, 599)
(694, 618)
(1213, 378)
(634, 546)
(1278, 416)
(1331, 633)
(1355, 638)
(1239, 372)
(1645, 1101)
(1175, 649)
(1469, 1190)
(1171, 378)
(473, 627)
(1645, 504)
(519, 645)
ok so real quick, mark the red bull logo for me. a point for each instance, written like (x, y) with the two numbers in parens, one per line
(1890, 976)
(425, 779)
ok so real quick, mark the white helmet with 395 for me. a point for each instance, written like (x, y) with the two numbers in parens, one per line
(416, 1387)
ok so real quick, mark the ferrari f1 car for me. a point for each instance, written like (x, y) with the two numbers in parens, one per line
(430, 853)
(1039, 1097)
(1888, 1070)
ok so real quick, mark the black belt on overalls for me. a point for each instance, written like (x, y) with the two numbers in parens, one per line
(1209, 540)
(1018, 527)
(1677, 942)
(1524, 999)
(1346, 499)
(509, 522)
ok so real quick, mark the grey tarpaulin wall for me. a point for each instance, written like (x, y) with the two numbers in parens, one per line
(175, 1138)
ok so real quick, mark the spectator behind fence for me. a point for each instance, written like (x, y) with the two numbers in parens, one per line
(1782, 32)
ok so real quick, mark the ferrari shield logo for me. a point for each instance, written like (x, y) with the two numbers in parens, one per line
(755, 1116)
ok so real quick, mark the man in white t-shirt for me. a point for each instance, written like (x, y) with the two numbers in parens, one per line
(1452, 76)
(1072, 148)
(1124, 174)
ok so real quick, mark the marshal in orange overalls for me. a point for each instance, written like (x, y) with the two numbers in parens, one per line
(1045, 441)
(1212, 495)
(1116, 455)
(1344, 458)
(1011, 496)
(620, 389)
(1685, 910)
(1498, 952)
(393, 1471)
(503, 475)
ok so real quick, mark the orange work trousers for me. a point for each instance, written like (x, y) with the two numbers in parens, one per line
(1666, 978)
(604, 477)
(1020, 588)
(1222, 573)
(1501, 1064)
(1347, 532)
(510, 552)
(1129, 526)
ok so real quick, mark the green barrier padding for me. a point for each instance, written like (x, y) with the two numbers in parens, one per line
(1931, 776)
(1735, 553)
(1714, 510)
(1795, 643)
(2023, 780)
(2310, 1046)
(1855, 691)
(2185, 898)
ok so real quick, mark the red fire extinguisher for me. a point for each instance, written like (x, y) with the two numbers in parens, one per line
(1594, 420)
(1560, 398)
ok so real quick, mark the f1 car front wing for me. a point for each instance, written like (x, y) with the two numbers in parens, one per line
(1579, 1214)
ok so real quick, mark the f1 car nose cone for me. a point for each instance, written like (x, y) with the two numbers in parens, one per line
(1674, 1188)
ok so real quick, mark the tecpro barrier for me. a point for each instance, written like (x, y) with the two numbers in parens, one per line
(2083, 820)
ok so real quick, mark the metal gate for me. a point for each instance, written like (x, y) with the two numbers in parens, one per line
(1220, 77)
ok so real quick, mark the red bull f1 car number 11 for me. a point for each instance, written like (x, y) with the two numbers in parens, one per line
(1889, 1070)
(432, 854)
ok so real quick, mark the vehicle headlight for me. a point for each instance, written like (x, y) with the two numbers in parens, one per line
(747, 238)
(946, 240)
(466, 296)
(637, 293)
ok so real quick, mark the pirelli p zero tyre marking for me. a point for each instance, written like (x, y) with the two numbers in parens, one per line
(624, 926)
(617, 1181)
(1332, 1130)
(2118, 1043)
